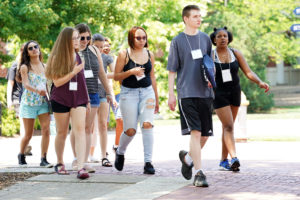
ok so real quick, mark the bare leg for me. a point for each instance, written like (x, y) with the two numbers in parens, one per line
(195, 148)
(28, 126)
(225, 115)
(78, 116)
(62, 127)
(45, 126)
(102, 117)
(90, 117)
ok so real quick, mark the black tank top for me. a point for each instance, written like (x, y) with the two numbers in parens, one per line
(234, 69)
(131, 81)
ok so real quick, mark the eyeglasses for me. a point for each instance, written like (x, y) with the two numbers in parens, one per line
(33, 47)
(139, 38)
(88, 38)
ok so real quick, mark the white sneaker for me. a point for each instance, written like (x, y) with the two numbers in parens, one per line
(89, 168)
(92, 159)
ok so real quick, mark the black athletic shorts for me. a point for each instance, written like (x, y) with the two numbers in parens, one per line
(59, 108)
(227, 97)
(196, 114)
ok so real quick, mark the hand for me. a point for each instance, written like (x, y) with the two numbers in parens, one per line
(264, 86)
(138, 71)
(9, 105)
(114, 102)
(41, 92)
(109, 99)
(88, 107)
(78, 68)
(172, 102)
(156, 107)
(209, 84)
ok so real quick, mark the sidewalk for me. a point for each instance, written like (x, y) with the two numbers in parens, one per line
(270, 170)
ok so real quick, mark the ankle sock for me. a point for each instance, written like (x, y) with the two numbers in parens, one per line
(188, 159)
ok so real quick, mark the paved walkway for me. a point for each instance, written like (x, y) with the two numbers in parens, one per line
(270, 170)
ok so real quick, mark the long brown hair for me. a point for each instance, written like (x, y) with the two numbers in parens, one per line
(61, 60)
(25, 59)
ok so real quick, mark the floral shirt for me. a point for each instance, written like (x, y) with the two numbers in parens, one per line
(33, 98)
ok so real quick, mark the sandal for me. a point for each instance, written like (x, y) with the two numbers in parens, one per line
(106, 163)
(83, 174)
(60, 169)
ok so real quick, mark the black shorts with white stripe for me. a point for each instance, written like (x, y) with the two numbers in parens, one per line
(196, 114)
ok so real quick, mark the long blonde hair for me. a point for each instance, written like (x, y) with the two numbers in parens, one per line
(61, 60)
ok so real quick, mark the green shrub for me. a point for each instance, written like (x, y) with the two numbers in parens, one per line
(10, 124)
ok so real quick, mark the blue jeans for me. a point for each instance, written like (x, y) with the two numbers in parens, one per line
(137, 105)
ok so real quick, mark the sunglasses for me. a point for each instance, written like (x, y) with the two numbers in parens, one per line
(88, 38)
(33, 47)
(139, 38)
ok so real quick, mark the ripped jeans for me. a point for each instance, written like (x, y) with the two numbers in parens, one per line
(137, 105)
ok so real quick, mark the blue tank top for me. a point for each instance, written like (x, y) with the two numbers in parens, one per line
(131, 81)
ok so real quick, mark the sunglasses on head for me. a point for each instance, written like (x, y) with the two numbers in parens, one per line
(139, 38)
(88, 38)
(33, 47)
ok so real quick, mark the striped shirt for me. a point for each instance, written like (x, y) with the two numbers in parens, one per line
(91, 63)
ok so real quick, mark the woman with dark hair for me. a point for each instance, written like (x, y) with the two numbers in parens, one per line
(228, 92)
(33, 102)
(69, 97)
(139, 97)
(93, 72)
(103, 110)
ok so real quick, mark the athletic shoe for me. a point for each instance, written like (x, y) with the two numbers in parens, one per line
(186, 170)
(119, 162)
(82, 174)
(148, 168)
(200, 180)
(224, 165)
(45, 163)
(22, 160)
(235, 164)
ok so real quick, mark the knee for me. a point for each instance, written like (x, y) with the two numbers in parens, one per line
(228, 128)
(196, 134)
(150, 104)
(147, 125)
(130, 132)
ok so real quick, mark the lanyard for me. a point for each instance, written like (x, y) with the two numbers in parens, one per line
(189, 41)
(216, 53)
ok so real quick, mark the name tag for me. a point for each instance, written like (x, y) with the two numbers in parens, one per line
(140, 77)
(73, 86)
(226, 75)
(196, 54)
(88, 74)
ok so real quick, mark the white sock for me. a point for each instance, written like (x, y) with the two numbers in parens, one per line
(197, 170)
(188, 159)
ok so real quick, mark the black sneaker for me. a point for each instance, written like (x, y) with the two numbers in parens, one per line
(119, 162)
(148, 168)
(186, 170)
(200, 180)
(235, 164)
(22, 161)
(44, 163)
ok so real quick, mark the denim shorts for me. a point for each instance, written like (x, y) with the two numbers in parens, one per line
(94, 100)
(31, 112)
(103, 100)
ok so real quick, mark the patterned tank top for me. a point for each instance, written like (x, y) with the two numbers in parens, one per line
(33, 98)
